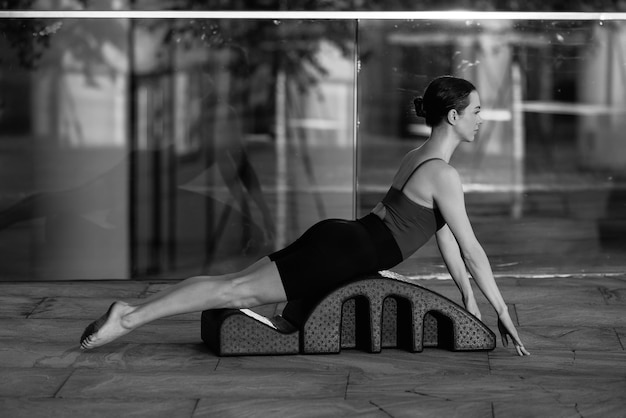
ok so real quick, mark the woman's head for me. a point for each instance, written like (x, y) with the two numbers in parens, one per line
(441, 96)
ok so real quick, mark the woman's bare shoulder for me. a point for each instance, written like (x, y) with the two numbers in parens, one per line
(435, 175)
(436, 167)
(446, 178)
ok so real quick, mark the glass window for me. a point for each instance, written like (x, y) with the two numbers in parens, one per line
(65, 145)
(544, 181)
(170, 147)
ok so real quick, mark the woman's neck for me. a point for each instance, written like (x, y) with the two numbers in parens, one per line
(441, 143)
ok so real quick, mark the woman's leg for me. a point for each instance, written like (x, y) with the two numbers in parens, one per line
(257, 285)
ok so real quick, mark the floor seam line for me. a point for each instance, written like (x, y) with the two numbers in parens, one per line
(380, 408)
(43, 299)
(63, 384)
(619, 340)
(603, 291)
(195, 407)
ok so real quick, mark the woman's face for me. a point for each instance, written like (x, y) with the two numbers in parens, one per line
(469, 121)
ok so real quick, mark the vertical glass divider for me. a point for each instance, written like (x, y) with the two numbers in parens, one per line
(355, 118)
(131, 126)
(281, 158)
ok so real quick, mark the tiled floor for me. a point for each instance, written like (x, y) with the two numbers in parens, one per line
(575, 328)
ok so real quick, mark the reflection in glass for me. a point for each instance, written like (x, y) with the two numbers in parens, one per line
(174, 147)
(543, 181)
(258, 113)
(66, 87)
(198, 149)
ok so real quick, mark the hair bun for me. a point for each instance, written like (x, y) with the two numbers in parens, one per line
(419, 107)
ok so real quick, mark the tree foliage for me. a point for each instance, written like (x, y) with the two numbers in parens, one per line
(291, 44)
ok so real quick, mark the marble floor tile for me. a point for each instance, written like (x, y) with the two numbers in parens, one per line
(95, 408)
(579, 315)
(88, 289)
(158, 384)
(605, 364)
(14, 353)
(541, 361)
(277, 363)
(31, 382)
(584, 364)
(574, 282)
(549, 294)
(577, 367)
(524, 409)
(130, 356)
(605, 409)
(579, 389)
(534, 387)
(42, 330)
(387, 362)
(448, 387)
(68, 331)
(621, 334)
(17, 306)
(569, 338)
(149, 357)
(86, 308)
(287, 408)
(614, 296)
(562, 363)
(573, 290)
(414, 407)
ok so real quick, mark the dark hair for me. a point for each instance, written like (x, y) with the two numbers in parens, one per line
(442, 95)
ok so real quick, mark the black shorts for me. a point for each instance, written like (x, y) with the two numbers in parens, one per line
(333, 252)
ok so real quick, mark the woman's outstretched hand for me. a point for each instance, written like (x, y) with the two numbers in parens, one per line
(506, 328)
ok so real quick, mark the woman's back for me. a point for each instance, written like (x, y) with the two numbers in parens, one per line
(408, 211)
(415, 176)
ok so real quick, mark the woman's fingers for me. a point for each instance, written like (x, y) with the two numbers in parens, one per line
(521, 351)
(519, 347)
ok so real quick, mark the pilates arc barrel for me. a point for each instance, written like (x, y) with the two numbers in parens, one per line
(368, 314)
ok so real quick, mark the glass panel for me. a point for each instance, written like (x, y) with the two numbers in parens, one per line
(244, 136)
(65, 87)
(135, 148)
(168, 148)
(545, 180)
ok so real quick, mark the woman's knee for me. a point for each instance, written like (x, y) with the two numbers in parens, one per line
(261, 287)
(236, 293)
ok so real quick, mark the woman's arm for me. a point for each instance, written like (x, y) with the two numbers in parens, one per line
(451, 202)
(451, 255)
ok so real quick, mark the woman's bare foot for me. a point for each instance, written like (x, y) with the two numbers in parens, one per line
(108, 327)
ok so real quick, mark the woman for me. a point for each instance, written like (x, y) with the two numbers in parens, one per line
(425, 199)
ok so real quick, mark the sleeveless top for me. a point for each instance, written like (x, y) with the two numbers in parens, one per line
(410, 223)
